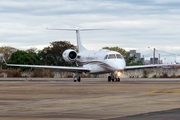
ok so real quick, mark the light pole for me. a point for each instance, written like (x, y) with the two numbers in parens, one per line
(165, 60)
(175, 59)
(153, 55)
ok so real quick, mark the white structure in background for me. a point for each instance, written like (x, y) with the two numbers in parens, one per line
(1, 60)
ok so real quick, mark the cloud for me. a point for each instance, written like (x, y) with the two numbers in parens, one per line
(116, 7)
(130, 24)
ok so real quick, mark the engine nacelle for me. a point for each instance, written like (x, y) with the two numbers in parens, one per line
(69, 55)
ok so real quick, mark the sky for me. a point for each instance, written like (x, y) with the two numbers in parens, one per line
(130, 24)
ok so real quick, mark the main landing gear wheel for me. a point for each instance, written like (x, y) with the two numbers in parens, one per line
(109, 78)
(118, 80)
(79, 79)
(76, 78)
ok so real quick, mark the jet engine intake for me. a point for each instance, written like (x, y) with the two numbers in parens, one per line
(70, 55)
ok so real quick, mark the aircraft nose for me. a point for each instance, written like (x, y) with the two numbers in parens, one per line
(120, 65)
(116, 64)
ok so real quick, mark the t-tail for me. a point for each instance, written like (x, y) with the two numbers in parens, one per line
(81, 48)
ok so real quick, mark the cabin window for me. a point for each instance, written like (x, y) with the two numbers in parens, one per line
(106, 57)
(119, 56)
(111, 56)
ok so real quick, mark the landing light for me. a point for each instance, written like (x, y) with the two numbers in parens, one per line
(119, 73)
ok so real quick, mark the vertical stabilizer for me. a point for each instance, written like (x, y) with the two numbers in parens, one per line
(81, 48)
(79, 44)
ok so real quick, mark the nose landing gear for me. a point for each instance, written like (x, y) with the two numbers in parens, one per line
(113, 79)
(118, 79)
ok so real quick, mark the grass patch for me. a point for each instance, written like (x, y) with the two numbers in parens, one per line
(9, 80)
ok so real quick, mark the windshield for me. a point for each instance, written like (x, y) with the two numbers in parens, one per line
(111, 56)
(118, 56)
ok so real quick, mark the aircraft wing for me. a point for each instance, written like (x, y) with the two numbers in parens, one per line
(145, 66)
(64, 68)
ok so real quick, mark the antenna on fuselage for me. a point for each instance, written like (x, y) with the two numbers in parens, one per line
(79, 44)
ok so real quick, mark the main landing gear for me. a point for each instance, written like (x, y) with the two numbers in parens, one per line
(113, 79)
(77, 77)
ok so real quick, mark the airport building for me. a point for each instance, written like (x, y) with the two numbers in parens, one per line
(138, 55)
(142, 60)
(155, 61)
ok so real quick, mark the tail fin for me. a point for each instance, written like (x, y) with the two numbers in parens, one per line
(79, 44)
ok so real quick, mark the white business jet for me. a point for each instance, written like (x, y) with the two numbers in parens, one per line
(92, 62)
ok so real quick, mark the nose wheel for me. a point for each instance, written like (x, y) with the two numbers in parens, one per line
(118, 79)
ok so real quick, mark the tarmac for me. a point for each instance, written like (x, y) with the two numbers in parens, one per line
(90, 99)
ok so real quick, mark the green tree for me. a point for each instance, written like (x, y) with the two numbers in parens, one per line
(33, 51)
(129, 59)
(120, 50)
(7, 51)
(22, 57)
(52, 55)
(139, 62)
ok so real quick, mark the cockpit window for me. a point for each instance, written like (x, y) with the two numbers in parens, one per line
(118, 56)
(111, 56)
(106, 57)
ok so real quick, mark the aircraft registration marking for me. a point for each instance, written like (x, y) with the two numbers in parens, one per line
(55, 105)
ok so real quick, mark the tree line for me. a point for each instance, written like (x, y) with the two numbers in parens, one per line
(52, 55)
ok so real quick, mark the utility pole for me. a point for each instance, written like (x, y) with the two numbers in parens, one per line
(175, 58)
(143, 59)
(154, 56)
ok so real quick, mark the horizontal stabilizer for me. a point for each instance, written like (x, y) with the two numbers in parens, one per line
(79, 44)
(74, 29)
